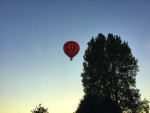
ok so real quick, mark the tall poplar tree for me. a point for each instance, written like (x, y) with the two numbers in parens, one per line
(109, 77)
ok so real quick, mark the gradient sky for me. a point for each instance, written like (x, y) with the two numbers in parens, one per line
(33, 66)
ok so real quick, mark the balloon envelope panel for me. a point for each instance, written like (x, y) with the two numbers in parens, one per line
(71, 48)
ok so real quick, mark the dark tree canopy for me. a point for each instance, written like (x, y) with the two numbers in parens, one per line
(40, 109)
(96, 104)
(109, 74)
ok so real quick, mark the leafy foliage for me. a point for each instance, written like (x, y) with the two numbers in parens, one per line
(110, 75)
(96, 104)
(40, 109)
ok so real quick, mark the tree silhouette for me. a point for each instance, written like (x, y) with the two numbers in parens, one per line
(96, 104)
(109, 75)
(40, 109)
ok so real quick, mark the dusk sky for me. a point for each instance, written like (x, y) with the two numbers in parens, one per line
(33, 66)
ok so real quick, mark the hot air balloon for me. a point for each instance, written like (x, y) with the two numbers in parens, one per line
(71, 48)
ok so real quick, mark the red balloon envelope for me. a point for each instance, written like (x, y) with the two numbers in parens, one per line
(71, 48)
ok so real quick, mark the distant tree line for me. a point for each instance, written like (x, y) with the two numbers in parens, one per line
(40, 109)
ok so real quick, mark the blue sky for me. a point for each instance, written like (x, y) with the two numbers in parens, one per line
(33, 66)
